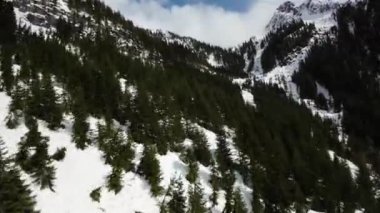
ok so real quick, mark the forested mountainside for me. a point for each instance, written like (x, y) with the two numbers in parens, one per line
(98, 115)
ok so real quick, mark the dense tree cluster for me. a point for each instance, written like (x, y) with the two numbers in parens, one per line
(348, 67)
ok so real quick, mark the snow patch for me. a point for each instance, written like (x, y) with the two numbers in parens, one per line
(240, 81)
(132, 90)
(213, 62)
(248, 98)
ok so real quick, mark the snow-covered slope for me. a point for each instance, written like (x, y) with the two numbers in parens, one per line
(82, 171)
(320, 13)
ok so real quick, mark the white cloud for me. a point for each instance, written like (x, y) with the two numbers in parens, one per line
(207, 23)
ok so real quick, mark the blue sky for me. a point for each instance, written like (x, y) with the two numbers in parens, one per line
(226, 23)
(232, 5)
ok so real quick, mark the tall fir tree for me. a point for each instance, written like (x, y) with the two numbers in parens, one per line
(6, 62)
(149, 167)
(80, 126)
(192, 174)
(238, 204)
(37, 163)
(15, 196)
(197, 204)
(215, 185)
(177, 203)
(223, 154)
(51, 110)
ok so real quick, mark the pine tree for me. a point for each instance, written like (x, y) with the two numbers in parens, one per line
(14, 193)
(33, 101)
(196, 201)
(95, 194)
(80, 126)
(365, 189)
(177, 134)
(257, 206)
(114, 180)
(39, 164)
(192, 174)
(6, 68)
(200, 146)
(177, 203)
(238, 204)
(116, 148)
(59, 155)
(223, 154)
(16, 107)
(228, 182)
(150, 168)
(51, 111)
(215, 184)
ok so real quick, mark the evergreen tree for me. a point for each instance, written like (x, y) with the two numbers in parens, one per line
(116, 148)
(192, 174)
(39, 163)
(177, 203)
(228, 182)
(6, 68)
(365, 189)
(33, 101)
(51, 111)
(200, 146)
(59, 155)
(14, 193)
(114, 180)
(238, 204)
(16, 107)
(80, 126)
(215, 184)
(95, 194)
(223, 154)
(150, 168)
(257, 206)
(196, 201)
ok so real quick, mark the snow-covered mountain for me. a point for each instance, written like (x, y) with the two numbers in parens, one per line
(318, 12)
(178, 97)
(321, 14)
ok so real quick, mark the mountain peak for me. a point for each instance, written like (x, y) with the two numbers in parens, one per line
(288, 7)
(314, 11)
